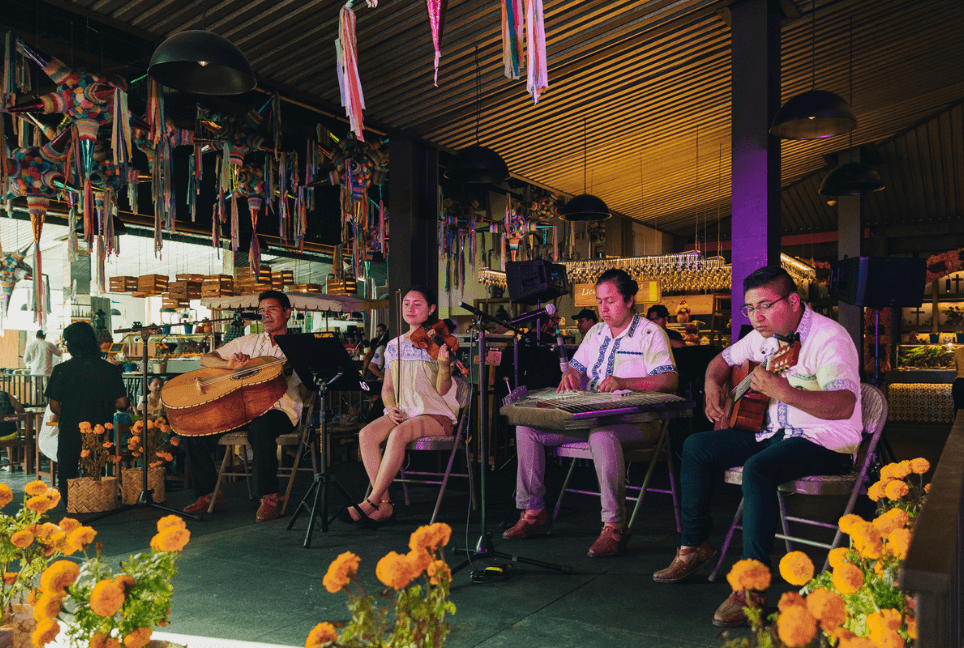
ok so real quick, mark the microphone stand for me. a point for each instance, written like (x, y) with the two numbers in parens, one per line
(484, 548)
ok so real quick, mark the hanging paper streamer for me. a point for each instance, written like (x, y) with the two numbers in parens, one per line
(537, 67)
(513, 33)
(12, 270)
(120, 141)
(436, 20)
(349, 81)
(9, 69)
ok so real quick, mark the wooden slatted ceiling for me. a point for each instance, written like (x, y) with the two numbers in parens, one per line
(643, 76)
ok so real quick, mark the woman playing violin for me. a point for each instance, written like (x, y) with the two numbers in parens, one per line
(420, 401)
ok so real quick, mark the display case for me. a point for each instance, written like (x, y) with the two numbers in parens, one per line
(926, 357)
(920, 388)
(171, 345)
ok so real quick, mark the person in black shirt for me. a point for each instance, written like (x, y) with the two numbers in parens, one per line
(86, 388)
(659, 315)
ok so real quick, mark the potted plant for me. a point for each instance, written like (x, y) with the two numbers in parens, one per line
(93, 492)
(149, 442)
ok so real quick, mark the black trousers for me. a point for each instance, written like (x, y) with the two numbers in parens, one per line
(957, 393)
(263, 433)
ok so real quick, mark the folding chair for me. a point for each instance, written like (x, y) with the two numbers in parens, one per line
(451, 443)
(874, 415)
(301, 438)
(658, 452)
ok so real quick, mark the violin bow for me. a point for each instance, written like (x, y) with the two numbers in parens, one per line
(398, 346)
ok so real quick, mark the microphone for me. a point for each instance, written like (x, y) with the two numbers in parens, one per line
(563, 358)
(240, 316)
(549, 310)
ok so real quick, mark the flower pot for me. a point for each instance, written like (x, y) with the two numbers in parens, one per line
(15, 633)
(161, 366)
(84, 495)
(133, 484)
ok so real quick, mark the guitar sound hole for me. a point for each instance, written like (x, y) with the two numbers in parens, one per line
(245, 373)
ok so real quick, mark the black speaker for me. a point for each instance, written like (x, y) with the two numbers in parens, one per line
(878, 282)
(531, 282)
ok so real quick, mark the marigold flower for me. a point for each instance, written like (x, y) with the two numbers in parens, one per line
(134, 440)
(895, 518)
(9, 578)
(828, 608)
(877, 491)
(98, 429)
(6, 495)
(838, 556)
(49, 533)
(796, 627)
(912, 628)
(155, 464)
(749, 574)
(166, 456)
(54, 496)
(21, 539)
(927, 488)
(69, 524)
(430, 537)
(796, 568)
(138, 638)
(789, 599)
(85, 453)
(106, 599)
(35, 487)
(901, 469)
(81, 537)
(108, 444)
(419, 559)
(59, 576)
(124, 582)
(849, 522)
(394, 570)
(887, 472)
(48, 606)
(439, 572)
(169, 521)
(847, 578)
(855, 641)
(101, 641)
(896, 489)
(321, 634)
(919, 466)
(108, 426)
(340, 572)
(898, 542)
(867, 541)
(84, 427)
(39, 504)
(171, 539)
(886, 620)
(47, 630)
(175, 441)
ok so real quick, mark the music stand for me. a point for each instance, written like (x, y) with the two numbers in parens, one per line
(323, 364)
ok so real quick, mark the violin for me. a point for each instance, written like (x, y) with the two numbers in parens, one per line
(434, 336)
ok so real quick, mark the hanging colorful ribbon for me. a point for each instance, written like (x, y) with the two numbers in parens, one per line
(436, 20)
(513, 34)
(537, 67)
(349, 81)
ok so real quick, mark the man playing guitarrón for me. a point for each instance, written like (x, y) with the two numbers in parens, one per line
(263, 432)
(813, 427)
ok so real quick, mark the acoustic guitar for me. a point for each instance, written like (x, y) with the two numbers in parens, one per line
(743, 408)
(210, 401)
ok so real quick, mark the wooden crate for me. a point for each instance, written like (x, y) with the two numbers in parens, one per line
(152, 284)
(189, 277)
(346, 286)
(169, 301)
(185, 289)
(307, 287)
(122, 284)
(217, 286)
(282, 278)
(253, 288)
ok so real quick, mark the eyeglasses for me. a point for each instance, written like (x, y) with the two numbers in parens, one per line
(762, 308)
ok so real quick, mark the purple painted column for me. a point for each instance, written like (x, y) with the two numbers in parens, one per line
(755, 155)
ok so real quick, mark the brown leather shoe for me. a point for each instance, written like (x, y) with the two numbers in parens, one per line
(610, 542)
(528, 524)
(731, 613)
(203, 502)
(688, 561)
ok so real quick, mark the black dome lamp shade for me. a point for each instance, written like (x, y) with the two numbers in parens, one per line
(851, 179)
(585, 207)
(200, 62)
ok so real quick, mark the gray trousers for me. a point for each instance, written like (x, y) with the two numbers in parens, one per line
(606, 446)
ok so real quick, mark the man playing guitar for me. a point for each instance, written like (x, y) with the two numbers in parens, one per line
(813, 426)
(263, 432)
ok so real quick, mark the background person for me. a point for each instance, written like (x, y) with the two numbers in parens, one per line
(39, 355)
(585, 320)
(659, 315)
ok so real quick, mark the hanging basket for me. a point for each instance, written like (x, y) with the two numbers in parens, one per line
(133, 484)
(84, 495)
(20, 624)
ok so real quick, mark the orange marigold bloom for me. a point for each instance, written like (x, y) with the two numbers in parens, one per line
(856, 642)
(108, 444)
(877, 491)
(828, 608)
(887, 620)
(6, 495)
(898, 542)
(169, 521)
(125, 583)
(50, 533)
(419, 559)
(35, 487)
(59, 576)
(9, 578)
(155, 464)
(21, 539)
(749, 574)
(927, 488)
(85, 453)
(39, 504)
(47, 630)
(98, 640)
(796, 627)
(796, 568)
(69, 524)
(48, 606)
(340, 572)
(912, 628)
(84, 427)
(394, 571)
(98, 429)
(106, 598)
(789, 599)
(901, 469)
(321, 634)
(896, 489)
(849, 522)
(838, 556)
(867, 541)
(108, 426)
(81, 537)
(887, 472)
(895, 518)
(919, 466)
(847, 578)
(138, 638)
(439, 572)
(54, 496)
(430, 537)
(171, 539)
(175, 441)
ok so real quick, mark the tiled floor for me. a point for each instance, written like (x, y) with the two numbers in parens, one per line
(246, 580)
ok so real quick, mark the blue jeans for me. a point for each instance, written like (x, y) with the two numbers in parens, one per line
(766, 465)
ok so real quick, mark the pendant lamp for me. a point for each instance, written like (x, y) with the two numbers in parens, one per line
(585, 207)
(200, 62)
(814, 114)
(477, 164)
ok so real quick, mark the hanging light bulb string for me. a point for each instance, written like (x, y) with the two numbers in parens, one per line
(478, 94)
(585, 152)
(696, 233)
(719, 201)
(813, 46)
